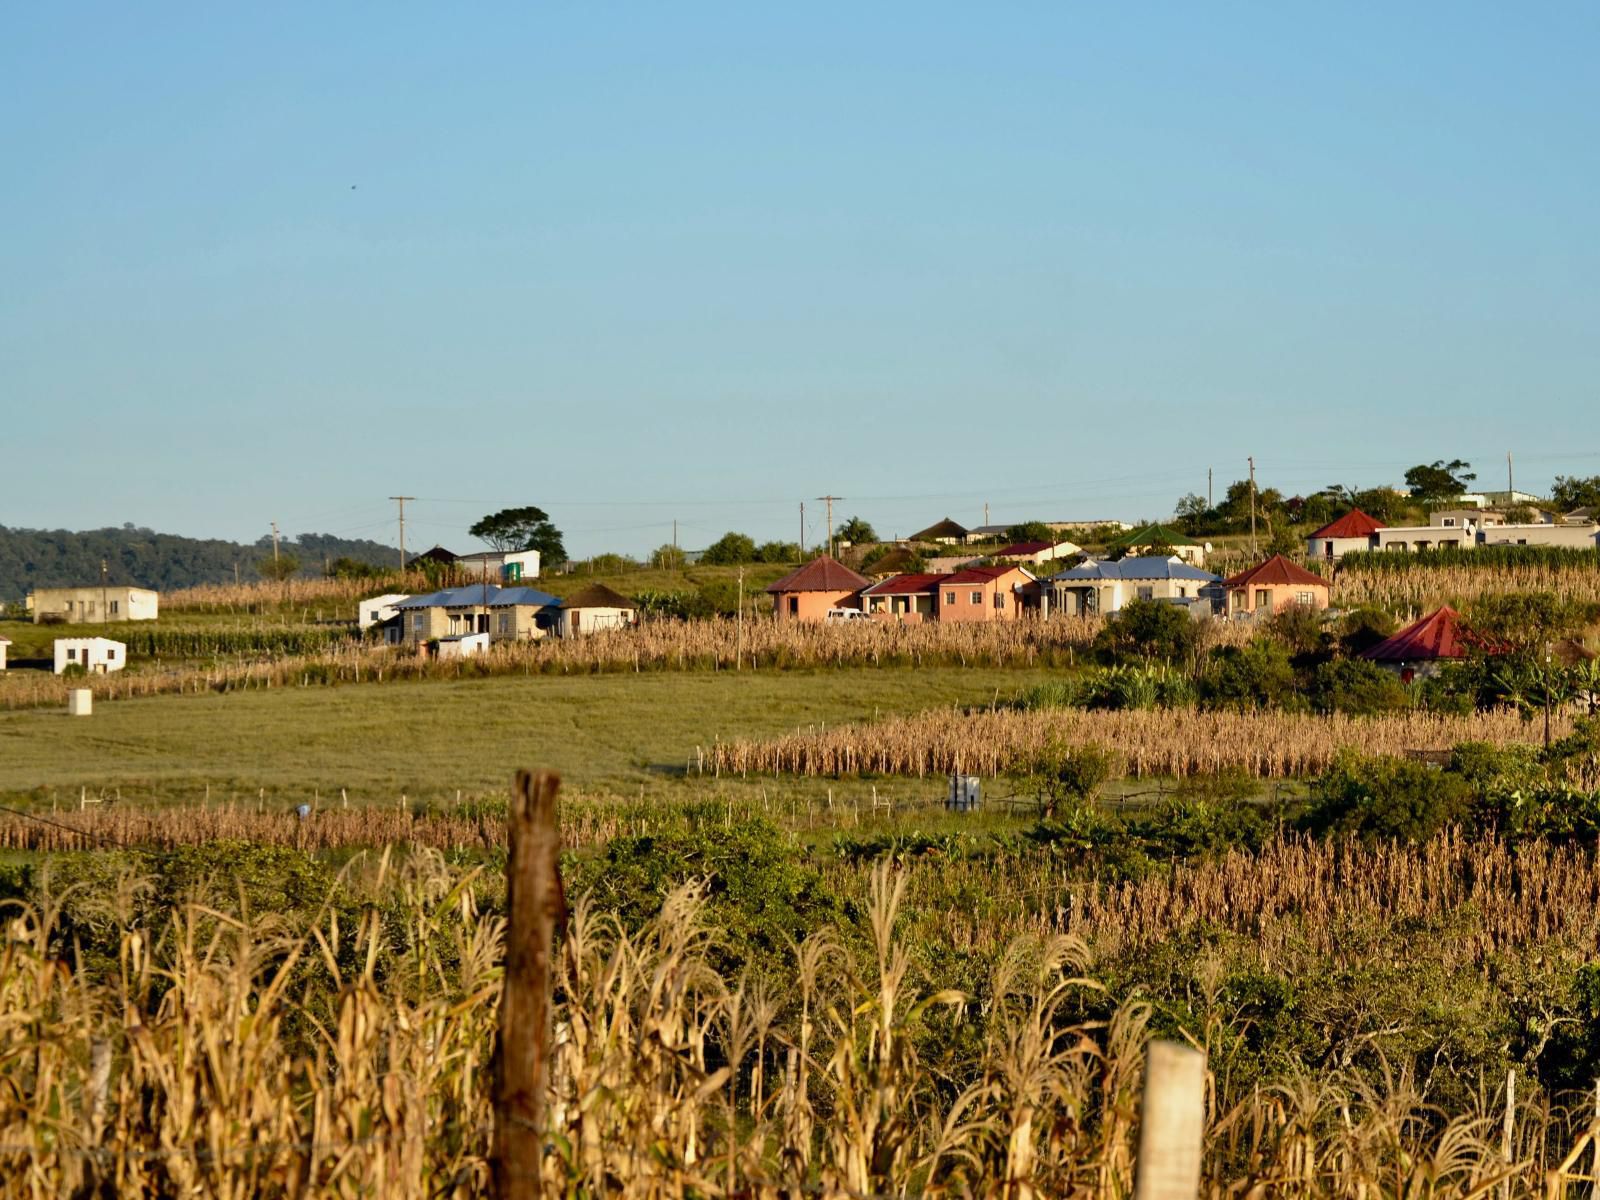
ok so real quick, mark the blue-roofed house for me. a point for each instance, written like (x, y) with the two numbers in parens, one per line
(506, 614)
(1104, 586)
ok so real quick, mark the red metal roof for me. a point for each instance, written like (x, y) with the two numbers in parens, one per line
(1017, 549)
(821, 574)
(1354, 524)
(906, 585)
(1437, 635)
(1276, 569)
(978, 574)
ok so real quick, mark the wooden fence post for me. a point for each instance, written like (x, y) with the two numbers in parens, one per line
(1172, 1124)
(535, 903)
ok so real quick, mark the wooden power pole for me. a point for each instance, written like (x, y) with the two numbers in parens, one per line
(1253, 551)
(401, 501)
(535, 905)
(829, 500)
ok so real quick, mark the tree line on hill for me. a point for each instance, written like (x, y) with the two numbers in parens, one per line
(31, 558)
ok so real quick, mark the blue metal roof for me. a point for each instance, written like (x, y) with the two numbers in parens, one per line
(1149, 566)
(524, 595)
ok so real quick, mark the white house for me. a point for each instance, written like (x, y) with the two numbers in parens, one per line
(92, 605)
(596, 607)
(1574, 536)
(5, 642)
(464, 645)
(1352, 532)
(1038, 552)
(95, 655)
(378, 609)
(1104, 585)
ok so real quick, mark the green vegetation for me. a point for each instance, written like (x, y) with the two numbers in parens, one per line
(526, 528)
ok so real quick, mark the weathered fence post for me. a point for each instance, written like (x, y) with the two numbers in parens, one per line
(1172, 1124)
(535, 904)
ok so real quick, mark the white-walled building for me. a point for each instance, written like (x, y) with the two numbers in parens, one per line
(96, 655)
(92, 605)
(1351, 532)
(596, 607)
(1572, 536)
(378, 609)
(501, 566)
(5, 644)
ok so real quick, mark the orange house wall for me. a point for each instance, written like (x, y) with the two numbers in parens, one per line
(813, 606)
(964, 610)
(1283, 596)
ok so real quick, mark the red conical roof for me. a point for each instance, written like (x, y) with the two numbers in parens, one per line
(1276, 569)
(1354, 524)
(821, 574)
(1437, 635)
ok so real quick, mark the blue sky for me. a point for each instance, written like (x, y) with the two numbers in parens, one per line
(638, 263)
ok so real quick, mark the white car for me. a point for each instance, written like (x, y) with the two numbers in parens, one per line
(846, 614)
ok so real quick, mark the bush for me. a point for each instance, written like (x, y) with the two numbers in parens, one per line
(1299, 628)
(730, 549)
(1385, 797)
(1255, 676)
(1363, 628)
(1148, 629)
(1358, 687)
(1062, 775)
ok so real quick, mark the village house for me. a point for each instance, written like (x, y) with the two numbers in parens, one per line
(96, 655)
(1419, 649)
(908, 598)
(1037, 553)
(945, 532)
(982, 594)
(93, 605)
(504, 614)
(1273, 586)
(1571, 536)
(5, 644)
(594, 608)
(377, 609)
(1351, 532)
(1104, 586)
(1152, 540)
(808, 593)
(504, 566)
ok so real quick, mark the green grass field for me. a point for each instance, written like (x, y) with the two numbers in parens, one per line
(605, 733)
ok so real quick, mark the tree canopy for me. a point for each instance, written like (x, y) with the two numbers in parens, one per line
(729, 549)
(855, 531)
(1439, 480)
(1573, 491)
(525, 528)
(1031, 531)
(277, 568)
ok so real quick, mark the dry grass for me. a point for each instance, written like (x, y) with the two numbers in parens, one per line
(1178, 742)
(224, 1055)
(1421, 589)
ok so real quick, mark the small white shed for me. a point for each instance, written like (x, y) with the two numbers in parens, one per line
(5, 644)
(464, 645)
(96, 655)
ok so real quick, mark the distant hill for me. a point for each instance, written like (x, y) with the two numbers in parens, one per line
(32, 558)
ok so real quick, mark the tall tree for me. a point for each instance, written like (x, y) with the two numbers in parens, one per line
(729, 549)
(1573, 491)
(526, 528)
(855, 531)
(1439, 480)
(279, 568)
(1031, 531)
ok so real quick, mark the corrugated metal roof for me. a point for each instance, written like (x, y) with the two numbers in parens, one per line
(981, 574)
(821, 574)
(1146, 566)
(906, 585)
(523, 595)
(1437, 635)
(597, 595)
(1354, 524)
(1276, 570)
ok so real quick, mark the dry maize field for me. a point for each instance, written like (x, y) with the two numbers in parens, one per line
(1173, 742)
(1422, 589)
(223, 1053)
(713, 644)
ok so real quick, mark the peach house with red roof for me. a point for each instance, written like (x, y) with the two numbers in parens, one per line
(1353, 531)
(822, 584)
(1273, 586)
(1419, 649)
(910, 599)
(981, 594)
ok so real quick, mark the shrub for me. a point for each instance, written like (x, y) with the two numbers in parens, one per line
(1386, 797)
(1256, 676)
(1358, 687)
(1063, 775)
(1149, 629)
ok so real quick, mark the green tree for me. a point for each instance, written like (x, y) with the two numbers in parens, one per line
(855, 531)
(667, 557)
(1439, 480)
(729, 549)
(778, 552)
(526, 528)
(1148, 629)
(1256, 676)
(1060, 775)
(1353, 685)
(279, 568)
(1573, 491)
(1031, 531)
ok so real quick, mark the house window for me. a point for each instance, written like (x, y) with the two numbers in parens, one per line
(1263, 598)
(1183, 593)
(72, 654)
(1146, 593)
(999, 599)
(416, 622)
(977, 597)
(505, 623)
(1449, 522)
(115, 607)
(950, 598)
(1305, 599)
(111, 654)
(794, 607)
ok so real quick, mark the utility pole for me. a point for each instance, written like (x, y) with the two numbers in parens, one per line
(1209, 503)
(105, 611)
(401, 501)
(738, 639)
(674, 535)
(1510, 487)
(830, 500)
(802, 531)
(1253, 550)
(274, 543)
(986, 512)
